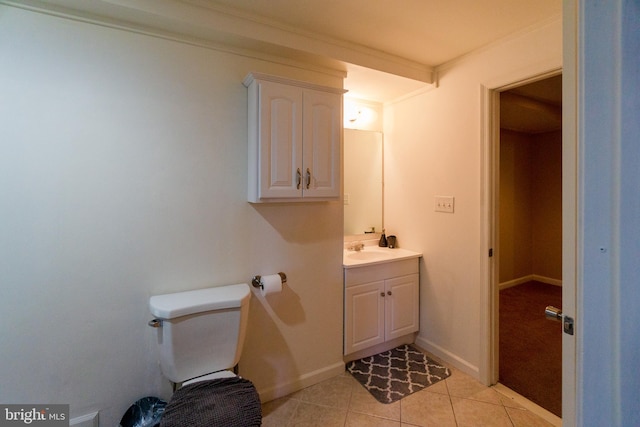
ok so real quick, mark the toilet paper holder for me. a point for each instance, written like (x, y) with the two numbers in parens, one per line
(256, 280)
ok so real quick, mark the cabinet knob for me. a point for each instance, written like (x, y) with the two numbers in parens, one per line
(381, 294)
(308, 178)
(388, 292)
(298, 178)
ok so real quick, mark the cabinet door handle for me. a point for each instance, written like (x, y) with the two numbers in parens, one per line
(381, 294)
(308, 178)
(298, 178)
(388, 292)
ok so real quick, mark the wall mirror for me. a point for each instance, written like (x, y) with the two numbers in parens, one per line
(363, 181)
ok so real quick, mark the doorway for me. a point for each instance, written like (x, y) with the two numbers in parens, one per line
(529, 241)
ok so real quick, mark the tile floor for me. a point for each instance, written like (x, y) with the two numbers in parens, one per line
(341, 401)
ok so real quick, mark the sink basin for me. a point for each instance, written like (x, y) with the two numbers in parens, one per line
(375, 255)
(366, 255)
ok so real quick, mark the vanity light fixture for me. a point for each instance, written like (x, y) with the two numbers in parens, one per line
(356, 114)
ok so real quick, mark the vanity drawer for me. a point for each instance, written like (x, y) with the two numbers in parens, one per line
(371, 273)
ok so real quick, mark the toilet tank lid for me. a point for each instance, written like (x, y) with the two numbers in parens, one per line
(170, 306)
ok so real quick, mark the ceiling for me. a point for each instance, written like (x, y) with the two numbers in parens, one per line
(533, 108)
(427, 32)
(387, 48)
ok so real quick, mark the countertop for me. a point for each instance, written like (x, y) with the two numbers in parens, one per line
(372, 255)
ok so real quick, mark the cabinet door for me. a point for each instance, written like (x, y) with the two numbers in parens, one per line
(364, 316)
(402, 306)
(322, 133)
(280, 133)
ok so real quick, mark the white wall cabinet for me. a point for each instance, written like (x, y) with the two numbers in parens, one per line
(381, 304)
(295, 134)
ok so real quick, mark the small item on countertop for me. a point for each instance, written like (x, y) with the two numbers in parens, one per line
(383, 240)
(391, 242)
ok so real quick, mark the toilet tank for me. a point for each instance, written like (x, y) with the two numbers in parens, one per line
(200, 331)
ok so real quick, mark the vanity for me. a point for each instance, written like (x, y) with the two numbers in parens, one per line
(381, 285)
(381, 299)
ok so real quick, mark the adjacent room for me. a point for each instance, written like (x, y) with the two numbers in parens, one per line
(530, 243)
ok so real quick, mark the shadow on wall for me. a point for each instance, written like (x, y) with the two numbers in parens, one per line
(285, 305)
(302, 222)
(294, 337)
(265, 339)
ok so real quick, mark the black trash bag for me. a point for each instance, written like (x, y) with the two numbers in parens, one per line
(145, 412)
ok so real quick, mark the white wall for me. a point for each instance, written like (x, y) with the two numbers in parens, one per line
(433, 147)
(123, 175)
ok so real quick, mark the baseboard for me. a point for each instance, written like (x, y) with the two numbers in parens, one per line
(448, 358)
(548, 280)
(303, 381)
(529, 278)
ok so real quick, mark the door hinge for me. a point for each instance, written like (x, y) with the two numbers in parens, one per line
(490, 252)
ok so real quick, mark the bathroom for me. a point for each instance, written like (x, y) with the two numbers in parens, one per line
(125, 158)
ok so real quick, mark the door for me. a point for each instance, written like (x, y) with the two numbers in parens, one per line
(601, 53)
(280, 128)
(490, 174)
(321, 144)
(402, 311)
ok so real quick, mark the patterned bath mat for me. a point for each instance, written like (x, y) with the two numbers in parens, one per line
(396, 373)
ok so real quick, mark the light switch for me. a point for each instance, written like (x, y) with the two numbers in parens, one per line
(444, 204)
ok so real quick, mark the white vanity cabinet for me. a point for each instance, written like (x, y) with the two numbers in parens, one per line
(381, 303)
(295, 132)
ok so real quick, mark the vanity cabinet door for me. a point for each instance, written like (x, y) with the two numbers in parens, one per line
(381, 306)
(364, 316)
(402, 307)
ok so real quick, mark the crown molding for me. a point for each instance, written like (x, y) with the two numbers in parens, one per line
(205, 23)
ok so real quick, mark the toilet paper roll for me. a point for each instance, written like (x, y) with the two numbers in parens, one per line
(271, 284)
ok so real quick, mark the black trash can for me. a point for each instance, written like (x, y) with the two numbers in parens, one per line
(145, 412)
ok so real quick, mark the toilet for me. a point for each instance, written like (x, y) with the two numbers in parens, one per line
(200, 339)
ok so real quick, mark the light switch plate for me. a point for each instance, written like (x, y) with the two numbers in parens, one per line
(444, 204)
